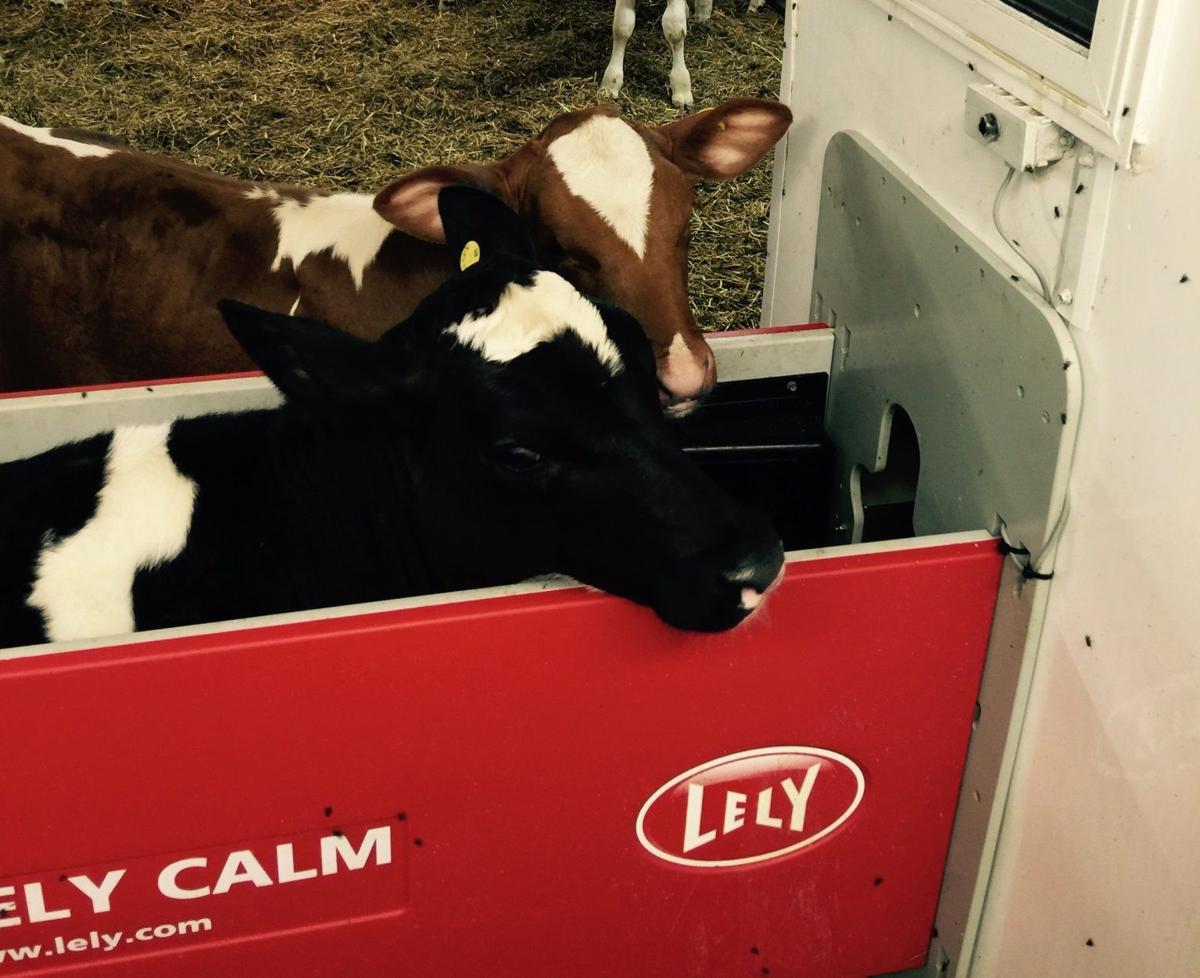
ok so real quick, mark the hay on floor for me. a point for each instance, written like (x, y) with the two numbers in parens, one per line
(345, 94)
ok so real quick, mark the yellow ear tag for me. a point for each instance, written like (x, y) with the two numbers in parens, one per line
(469, 256)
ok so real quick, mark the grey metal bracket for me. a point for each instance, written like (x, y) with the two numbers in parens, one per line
(928, 319)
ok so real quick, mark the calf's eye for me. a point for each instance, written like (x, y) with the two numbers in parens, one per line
(571, 259)
(581, 261)
(518, 459)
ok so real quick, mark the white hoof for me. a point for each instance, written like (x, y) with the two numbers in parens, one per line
(611, 84)
(704, 9)
(681, 89)
(756, 6)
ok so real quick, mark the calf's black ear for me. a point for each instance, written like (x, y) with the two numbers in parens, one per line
(310, 361)
(479, 225)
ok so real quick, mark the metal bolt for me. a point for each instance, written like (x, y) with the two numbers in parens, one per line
(1065, 297)
(989, 128)
(791, 386)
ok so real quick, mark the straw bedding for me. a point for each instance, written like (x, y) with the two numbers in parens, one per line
(346, 94)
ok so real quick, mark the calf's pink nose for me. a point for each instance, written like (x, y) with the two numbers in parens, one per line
(687, 371)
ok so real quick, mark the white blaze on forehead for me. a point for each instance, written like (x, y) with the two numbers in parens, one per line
(43, 136)
(527, 315)
(84, 583)
(346, 225)
(605, 162)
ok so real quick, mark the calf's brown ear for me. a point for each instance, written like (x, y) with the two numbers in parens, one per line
(411, 203)
(724, 142)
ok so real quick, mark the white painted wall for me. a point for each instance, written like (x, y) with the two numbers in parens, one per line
(1101, 834)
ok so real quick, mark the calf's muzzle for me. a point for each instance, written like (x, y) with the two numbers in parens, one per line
(724, 584)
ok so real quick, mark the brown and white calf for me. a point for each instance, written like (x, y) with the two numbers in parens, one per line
(112, 261)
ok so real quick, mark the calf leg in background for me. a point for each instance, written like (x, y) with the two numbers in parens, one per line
(756, 6)
(674, 25)
(624, 17)
(704, 9)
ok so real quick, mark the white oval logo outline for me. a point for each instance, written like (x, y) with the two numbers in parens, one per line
(851, 766)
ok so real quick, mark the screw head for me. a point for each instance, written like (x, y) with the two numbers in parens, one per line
(1065, 297)
(989, 127)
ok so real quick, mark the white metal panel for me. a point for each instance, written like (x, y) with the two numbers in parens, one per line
(1098, 838)
(1083, 89)
(927, 320)
(32, 424)
(749, 355)
(906, 97)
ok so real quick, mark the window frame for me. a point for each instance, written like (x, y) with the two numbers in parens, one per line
(1084, 89)
(1048, 18)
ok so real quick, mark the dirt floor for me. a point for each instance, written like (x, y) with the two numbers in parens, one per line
(345, 94)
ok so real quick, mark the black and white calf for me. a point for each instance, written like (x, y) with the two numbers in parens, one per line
(511, 427)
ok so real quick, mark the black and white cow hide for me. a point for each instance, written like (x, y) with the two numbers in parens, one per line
(510, 427)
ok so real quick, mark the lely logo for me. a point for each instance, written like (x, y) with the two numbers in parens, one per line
(750, 807)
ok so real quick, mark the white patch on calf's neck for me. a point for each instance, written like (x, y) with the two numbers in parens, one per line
(43, 136)
(605, 162)
(346, 225)
(527, 315)
(84, 583)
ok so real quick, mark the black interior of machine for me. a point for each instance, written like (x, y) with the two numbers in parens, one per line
(763, 441)
(889, 496)
(1074, 18)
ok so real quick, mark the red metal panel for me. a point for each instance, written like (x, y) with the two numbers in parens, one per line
(759, 330)
(500, 752)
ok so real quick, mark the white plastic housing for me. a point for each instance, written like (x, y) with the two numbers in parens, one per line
(1023, 137)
